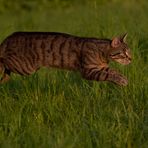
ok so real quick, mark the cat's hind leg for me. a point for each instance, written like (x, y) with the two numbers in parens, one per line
(2, 69)
(6, 76)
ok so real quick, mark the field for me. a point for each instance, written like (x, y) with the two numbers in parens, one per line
(58, 109)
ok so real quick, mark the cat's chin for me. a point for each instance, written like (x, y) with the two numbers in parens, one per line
(126, 63)
(123, 62)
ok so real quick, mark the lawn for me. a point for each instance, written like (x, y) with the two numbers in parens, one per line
(58, 109)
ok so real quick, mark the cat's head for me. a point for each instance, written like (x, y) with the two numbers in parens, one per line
(120, 52)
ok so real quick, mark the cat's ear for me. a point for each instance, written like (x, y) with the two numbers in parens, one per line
(123, 37)
(115, 42)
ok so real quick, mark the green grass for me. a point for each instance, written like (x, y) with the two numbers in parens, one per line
(58, 109)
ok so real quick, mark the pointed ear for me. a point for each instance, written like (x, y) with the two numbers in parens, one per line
(123, 37)
(115, 42)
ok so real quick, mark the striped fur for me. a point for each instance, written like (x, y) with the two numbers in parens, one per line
(25, 52)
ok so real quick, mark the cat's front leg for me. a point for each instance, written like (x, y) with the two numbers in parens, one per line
(104, 74)
(116, 77)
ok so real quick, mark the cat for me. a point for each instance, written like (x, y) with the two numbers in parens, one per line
(25, 52)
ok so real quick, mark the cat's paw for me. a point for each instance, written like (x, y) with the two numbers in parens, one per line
(122, 81)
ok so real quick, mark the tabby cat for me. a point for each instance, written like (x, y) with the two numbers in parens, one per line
(25, 52)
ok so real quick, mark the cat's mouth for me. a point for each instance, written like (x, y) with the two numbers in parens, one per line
(124, 61)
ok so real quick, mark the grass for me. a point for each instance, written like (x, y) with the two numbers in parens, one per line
(59, 109)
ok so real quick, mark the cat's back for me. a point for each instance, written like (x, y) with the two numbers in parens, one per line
(20, 41)
(36, 34)
(43, 48)
(23, 37)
